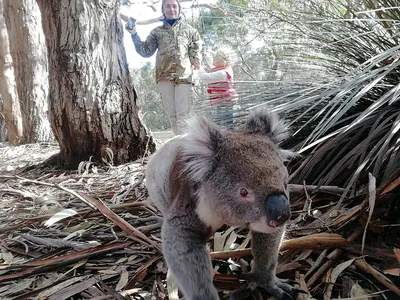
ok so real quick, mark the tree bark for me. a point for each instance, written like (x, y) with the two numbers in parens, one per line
(29, 54)
(92, 102)
(3, 127)
(11, 109)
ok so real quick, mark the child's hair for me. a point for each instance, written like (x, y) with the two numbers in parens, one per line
(226, 55)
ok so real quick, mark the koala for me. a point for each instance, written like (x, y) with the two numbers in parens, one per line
(211, 177)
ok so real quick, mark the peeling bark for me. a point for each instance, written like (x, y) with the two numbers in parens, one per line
(3, 127)
(92, 101)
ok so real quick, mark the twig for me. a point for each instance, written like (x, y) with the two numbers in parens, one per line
(124, 194)
(121, 223)
(317, 263)
(299, 188)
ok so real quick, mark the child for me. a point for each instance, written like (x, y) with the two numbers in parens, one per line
(223, 96)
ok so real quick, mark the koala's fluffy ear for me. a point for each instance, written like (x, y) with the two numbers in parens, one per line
(264, 122)
(199, 147)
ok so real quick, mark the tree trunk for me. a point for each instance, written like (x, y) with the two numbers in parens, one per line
(92, 102)
(28, 51)
(11, 109)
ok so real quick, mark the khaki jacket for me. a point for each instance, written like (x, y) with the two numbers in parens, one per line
(178, 45)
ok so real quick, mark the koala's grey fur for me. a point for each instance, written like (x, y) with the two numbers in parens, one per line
(213, 176)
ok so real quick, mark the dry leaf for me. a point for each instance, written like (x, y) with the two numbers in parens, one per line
(77, 233)
(393, 272)
(220, 238)
(334, 275)
(123, 280)
(44, 294)
(358, 291)
(66, 213)
(7, 257)
(108, 272)
(229, 242)
(397, 253)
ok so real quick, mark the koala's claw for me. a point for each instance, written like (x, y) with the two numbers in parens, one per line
(282, 289)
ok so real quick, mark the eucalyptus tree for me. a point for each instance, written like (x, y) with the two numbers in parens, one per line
(29, 56)
(93, 108)
(11, 111)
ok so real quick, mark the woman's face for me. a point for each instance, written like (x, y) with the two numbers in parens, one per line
(171, 9)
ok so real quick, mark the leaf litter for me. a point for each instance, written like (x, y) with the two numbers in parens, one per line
(93, 233)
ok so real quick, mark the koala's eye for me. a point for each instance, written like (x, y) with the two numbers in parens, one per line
(243, 192)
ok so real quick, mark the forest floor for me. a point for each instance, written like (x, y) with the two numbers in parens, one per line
(93, 233)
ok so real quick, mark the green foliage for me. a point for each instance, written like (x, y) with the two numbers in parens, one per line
(149, 98)
(352, 122)
(240, 2)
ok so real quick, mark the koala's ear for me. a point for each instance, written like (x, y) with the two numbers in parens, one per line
(199, 147)
(263, 122)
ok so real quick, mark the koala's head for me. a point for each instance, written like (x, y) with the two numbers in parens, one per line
(240, 175)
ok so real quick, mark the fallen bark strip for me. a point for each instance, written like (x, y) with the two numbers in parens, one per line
(390, 185)
(382, 254)
(57, 243)
(19, 250)
(314, 241)
(31, 294)
(141, 272)
(121, 223)
(38, 266)
(55, 185)
(364, 266)
(355, 212)
(331, 259)
(84, 211)
(299, 189)
(67, 292)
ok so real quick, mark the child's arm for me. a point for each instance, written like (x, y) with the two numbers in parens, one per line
(216, 76)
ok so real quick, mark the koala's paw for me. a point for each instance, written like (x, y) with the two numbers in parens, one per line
(280, 288)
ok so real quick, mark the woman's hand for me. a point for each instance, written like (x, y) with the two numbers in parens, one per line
(125, 18)
(131, 31)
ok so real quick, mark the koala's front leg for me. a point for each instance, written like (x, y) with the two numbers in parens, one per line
(188, 259)
(265, 248)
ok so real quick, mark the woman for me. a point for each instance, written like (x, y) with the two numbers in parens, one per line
(178, 46)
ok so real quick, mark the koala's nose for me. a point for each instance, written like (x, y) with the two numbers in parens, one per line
(278, 209)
